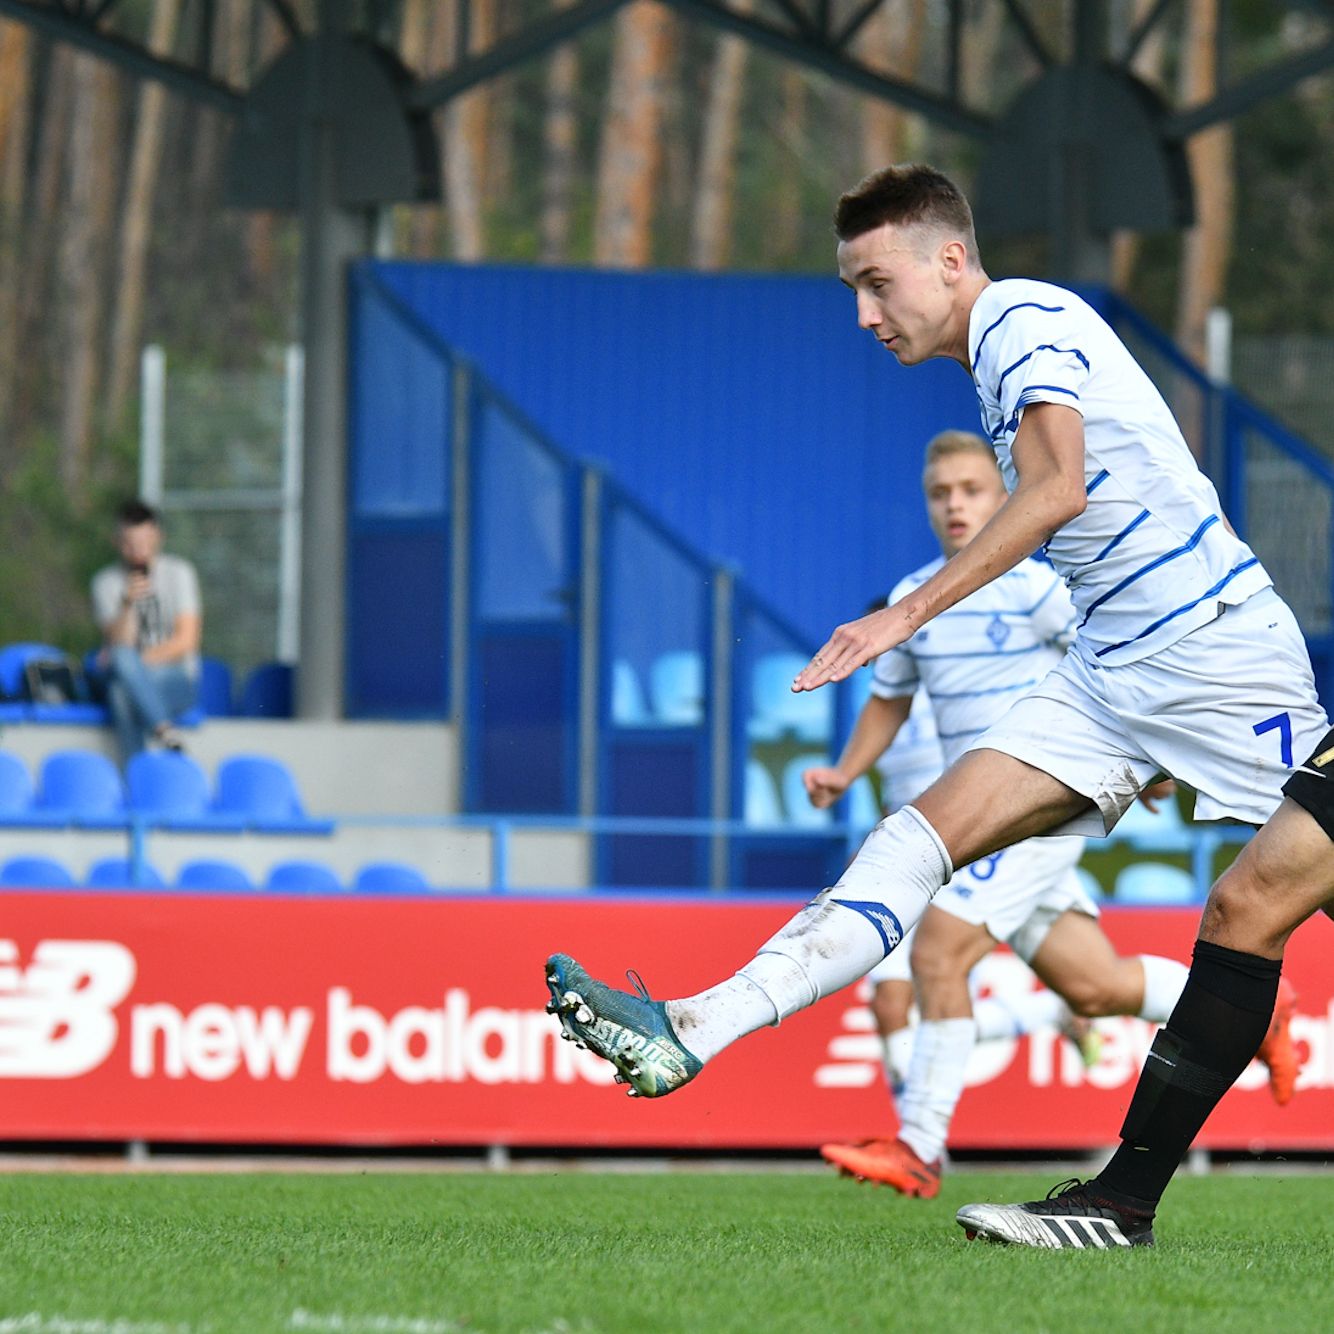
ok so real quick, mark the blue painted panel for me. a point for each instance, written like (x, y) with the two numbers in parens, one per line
(748, 412)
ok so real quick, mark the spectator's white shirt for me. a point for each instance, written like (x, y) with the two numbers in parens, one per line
(977, 658)
(1150, 559)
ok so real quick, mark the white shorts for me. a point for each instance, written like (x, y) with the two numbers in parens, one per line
(1017, 895)
(1229, 709)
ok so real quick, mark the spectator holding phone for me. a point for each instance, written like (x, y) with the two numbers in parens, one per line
(147, 607)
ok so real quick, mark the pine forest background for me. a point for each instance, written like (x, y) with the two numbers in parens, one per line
(649, 141)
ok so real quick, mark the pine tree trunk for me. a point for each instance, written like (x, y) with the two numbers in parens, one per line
(630, 157)
(80, 303)
(711, 218)
(782, 238)
(560, 157)
(137, 216)
(464, 147)
(891, 41)
(15, 125)
(1207, 246)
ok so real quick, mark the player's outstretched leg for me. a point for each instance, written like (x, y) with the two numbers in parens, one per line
(659, 1046)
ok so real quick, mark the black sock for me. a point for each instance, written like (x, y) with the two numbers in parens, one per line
(1215, 1030)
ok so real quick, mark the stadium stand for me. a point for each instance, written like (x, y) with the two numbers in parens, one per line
(172, 788)
(676, 684)
(213, 873)
(303, 877)
(215, 688)
(260, 792)
(118, 873)
(17, 796)
(82, 787)
(628, 706)
(1155, 883)
(35, 873)
(389, 878)
(1162, 830)
(762, 808)
(800, 813)
(267, 691)
(776, 711)
(863, 809)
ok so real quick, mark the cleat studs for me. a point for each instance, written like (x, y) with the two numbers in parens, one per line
(620, 1078)
(969, 1234)
(632, 1093)
(583, 1014)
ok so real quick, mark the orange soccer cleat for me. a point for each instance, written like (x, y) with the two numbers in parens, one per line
(1278, 1051)
(888, 1162)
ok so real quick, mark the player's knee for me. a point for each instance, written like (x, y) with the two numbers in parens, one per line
(934, 962)
(1093, 998)
(1244, 909)
(890, 1005)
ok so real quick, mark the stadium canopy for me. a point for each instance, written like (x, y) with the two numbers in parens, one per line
(336, 126)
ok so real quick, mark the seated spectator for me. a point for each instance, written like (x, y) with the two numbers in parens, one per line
(147, 607)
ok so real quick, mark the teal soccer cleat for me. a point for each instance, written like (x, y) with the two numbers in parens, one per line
(632, 1032)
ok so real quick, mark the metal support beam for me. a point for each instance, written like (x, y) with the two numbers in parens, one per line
(532, 40)
(330, 237)
(933, 107)
(64, 27)
(1029, 33)
(1231, 102)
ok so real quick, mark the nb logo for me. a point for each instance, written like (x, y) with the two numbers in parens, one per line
(57, 1016)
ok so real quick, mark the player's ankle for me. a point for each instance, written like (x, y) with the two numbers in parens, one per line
(1121, 1201)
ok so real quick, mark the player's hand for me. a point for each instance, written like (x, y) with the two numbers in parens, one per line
(824, 786)
(1155, 793)
(852, 646)
(137, 587)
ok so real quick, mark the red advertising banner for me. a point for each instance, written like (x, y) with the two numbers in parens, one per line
(420, 1021)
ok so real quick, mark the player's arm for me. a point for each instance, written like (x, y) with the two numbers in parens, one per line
(877, 725)
(1048, 455)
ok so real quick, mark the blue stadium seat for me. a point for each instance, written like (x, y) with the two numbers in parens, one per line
(261, 793)
(267, 691)
(303, 877)
(389, 878)
(800, 813)
(762, 806)
(863, 809)
(35, 873)
(81, 787)
(215, 688)
(206, 873)
(171, 789)
(628, 707)
(116, 873)
(776, 711)
(1155, 883)
(17, 797)
(676, 683)
(1162, 830)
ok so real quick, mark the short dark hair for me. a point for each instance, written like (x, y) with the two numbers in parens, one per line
(131, 513)
(910, 193)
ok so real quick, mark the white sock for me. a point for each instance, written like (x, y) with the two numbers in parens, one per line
(1163, 981)
(836, 939)
(710, 1021)
(898, 1059)
(1014, 1016)
(935, 1084)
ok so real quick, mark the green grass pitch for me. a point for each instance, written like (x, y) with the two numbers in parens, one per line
(440, 1253)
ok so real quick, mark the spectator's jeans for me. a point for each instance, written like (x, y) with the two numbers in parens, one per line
(142, 698)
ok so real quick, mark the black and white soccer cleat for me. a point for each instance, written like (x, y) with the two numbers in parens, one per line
(1072, 1217)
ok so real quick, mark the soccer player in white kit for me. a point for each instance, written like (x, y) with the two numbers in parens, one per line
(973, 661)
(1185, 662)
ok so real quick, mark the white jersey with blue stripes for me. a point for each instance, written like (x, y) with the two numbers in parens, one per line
(1150, 558)
(977, 658)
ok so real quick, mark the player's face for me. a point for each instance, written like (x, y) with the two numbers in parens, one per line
(962, 492)
(904, 279)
